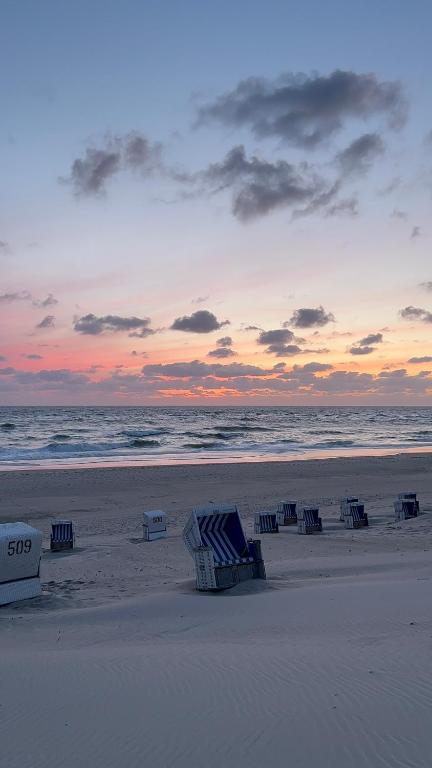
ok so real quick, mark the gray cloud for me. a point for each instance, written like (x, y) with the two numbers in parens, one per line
(4, 247)
(133, 151)
(47, 322)
(200, 299)
(306, 110)
(260, 187)
(348, 207)
(416, 313)
(372, 338)
(8, 298)
(427, 285)
(201, 321)
(415, 232)
(362, 350)
(50, 301)
(91, 325)
(195, 368)
(33, 357)
(424, 359)
(359, 156)
(307, 317)
(278, 342)
(2, 358)
(221, 352)
(225, 341)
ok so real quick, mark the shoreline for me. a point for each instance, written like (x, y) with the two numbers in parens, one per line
(170, 460)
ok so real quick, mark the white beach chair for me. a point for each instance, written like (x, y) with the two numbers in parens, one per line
(223, 557)
(287, 513)
(355, 515)
(154, 525)
(266, 522)
(308, 520)
(62, 535)
(20, 554)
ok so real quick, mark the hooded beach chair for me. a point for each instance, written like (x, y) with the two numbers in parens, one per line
(355, 516)
(20, 554)
(344, 504)
(62, 535)
(308, 520)
(287, 513)
(406, 507)
(266, 522)
(154, 525)
(223, 557)
(410, 496)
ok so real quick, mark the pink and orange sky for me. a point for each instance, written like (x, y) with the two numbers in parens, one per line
(215, 204)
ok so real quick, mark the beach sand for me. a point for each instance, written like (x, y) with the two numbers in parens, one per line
(122, 663)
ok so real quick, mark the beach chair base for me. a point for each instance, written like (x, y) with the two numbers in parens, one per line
(60, 546)
(23, 589)
(153, 535)
(303, 528)
(351, 523)
(283, 520)
(214, 578)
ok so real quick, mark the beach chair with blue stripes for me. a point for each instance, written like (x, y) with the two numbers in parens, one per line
(62, 535)
(344, 504)
(406, 506)
(308, 520)
(266, 522)
(287, 513)
(355, 515)
(223, 556)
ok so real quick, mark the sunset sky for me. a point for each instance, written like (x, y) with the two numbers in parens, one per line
(215, 202)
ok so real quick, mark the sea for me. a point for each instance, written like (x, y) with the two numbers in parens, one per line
(45, 437)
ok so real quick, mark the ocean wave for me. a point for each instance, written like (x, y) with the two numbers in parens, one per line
(197, 446)
(143, 432)
(61, 436)
(334, 444)
(140, 443)
(7, 426)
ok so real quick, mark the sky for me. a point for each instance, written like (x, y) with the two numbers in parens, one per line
(215, 203)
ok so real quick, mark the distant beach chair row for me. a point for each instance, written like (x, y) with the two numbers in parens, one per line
(213, 535)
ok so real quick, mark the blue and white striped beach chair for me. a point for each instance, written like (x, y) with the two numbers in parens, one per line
(355, 516)
(223, 557)
(287, 513)
(266, 522)
(308, 520)
(344, 504)
(62, 535)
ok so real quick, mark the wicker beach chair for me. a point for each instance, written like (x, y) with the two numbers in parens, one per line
(344, 504)
(266, 522)
(223, 557)
(405, 508)
(308, 520)
(410, 496)
(62, 535)
(20, 554)
(287, 513)
(355, 516)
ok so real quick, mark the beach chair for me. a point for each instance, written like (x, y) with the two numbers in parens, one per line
(410, 496)
(223, 557)
(405, 509)
(20, 554)
(154, 525)
(287, 513)
(62, 535)
(308, 520)
(355, 516)
(266, 522)
(344, 504)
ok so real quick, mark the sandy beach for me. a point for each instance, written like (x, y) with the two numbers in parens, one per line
(123, 663)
